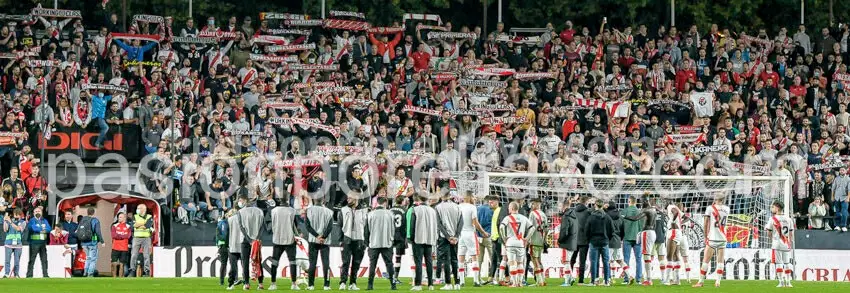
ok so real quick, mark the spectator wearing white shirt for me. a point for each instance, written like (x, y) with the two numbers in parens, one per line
(167, 56)
(451, 156)
(400, 185)
(817, 211)
(346, 39)
(550, 142)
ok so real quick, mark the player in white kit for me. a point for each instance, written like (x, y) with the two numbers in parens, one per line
(781, 232)
(537, 239)
(715, 238)
(675, 243)
(514, 229)
(301, 260)
(467, 247)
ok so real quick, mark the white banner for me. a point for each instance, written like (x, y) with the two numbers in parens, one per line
(337, 13)
(194, 40)
(149, 18)
(484, 83)
(284, 31)
(58, 13)
(278, 16)
(740, 264)
(58, 262)
(451, 35)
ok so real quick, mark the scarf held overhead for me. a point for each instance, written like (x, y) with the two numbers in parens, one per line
(56, 13)
(484, 83)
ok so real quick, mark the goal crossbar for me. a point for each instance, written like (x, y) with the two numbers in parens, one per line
(605, 186)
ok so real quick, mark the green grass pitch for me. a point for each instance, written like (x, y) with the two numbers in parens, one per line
(103, 285)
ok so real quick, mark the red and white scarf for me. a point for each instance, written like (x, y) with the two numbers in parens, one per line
(615, 109)
(66, 115)
(82, 111)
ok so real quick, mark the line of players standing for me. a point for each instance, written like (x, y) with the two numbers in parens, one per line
(451, 228)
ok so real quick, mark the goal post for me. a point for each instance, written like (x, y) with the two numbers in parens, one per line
(749, 197)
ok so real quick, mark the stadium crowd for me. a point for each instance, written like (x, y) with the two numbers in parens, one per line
(227, 101)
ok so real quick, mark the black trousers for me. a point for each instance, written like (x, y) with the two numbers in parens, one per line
(384, 253)
(447, 256)
(277, 251)
(495, 258)
(423, 251)
(222, 260)
(245, 256)
(352, 255)
(246, 264)
(313, 255)
(233, 259)
(40, 250)
(581, 253)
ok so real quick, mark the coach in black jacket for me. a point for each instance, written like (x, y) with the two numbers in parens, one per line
(581, 212)
(599, 230)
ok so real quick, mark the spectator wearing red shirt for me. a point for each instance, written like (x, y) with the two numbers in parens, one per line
(569, 125)
(35, 180)
(421, 58)
(626, 60)
(58, 236)
(753, 139)
(769, 74)
(797, 89)
(553, 47)
(686, 75)
(386, 47)
(568, 33)
(120, 245)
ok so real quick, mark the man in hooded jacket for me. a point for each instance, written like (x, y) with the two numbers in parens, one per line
(567, 238)
(582, 213)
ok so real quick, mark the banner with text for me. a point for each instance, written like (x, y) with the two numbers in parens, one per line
(739, 264)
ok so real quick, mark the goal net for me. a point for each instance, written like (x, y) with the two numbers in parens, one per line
(748, 197)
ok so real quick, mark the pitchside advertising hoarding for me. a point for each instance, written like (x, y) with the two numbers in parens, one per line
(202, 261)
(58, 262)
(740, 264)
(123, 140)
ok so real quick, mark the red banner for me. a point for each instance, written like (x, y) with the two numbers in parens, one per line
(351, 25)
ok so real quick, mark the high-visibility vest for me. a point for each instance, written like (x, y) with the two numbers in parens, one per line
(142, 232)
(40, 236)
(13, 237)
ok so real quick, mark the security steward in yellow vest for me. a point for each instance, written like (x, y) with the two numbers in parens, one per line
(142, 232)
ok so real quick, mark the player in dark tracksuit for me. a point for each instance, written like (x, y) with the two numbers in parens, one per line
(399, 212)
(221, 241)
(582, 213)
